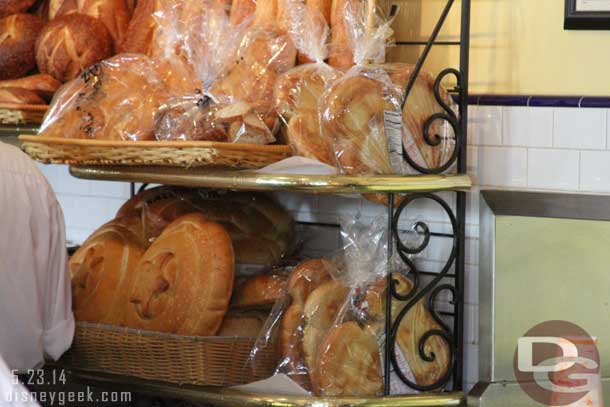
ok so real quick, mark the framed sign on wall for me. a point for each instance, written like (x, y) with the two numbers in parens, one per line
(587, 15)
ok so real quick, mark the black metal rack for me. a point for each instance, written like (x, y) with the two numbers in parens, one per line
(456, 216)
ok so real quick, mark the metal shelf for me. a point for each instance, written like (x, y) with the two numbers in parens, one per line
(232, 398)
(255, 181)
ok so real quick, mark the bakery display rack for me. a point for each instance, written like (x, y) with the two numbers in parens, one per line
(400, 193)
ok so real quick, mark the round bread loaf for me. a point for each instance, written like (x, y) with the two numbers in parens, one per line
(18, 35)
(183, 283)
(8, 7)
(100, 272)
(71, 43)
(112, 13)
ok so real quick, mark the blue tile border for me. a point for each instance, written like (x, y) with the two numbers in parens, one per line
(540, 101)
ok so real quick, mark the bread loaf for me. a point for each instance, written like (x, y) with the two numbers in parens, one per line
(112, 100)
(101, 271)
(297, 93)
(20, 96)
(243, 324)
(259, 291)
(305, 278)
(9, 7)
(417, 322)
(183, 282)
(341, 51)
(71, 43)
(419, 107)
(353, 117)
(241, 10)
(18, 33)
(112, 13)
(349, 363)
(320, 311)
(43, 85)
(261, 230)
(140, 34)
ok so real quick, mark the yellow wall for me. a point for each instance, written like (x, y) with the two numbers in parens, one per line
(518, 47)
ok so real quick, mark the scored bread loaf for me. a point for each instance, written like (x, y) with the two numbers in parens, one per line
(20, 96)
(417, 322)
(9, 7)
(101, 270)
(18, 33)
(183, 283)
(71, 43)
(42, 84)
(259, 291)
(112, 13)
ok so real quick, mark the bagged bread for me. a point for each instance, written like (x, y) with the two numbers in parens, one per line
(261, 230)
(112, 100)
(297, 91)
(358, 112)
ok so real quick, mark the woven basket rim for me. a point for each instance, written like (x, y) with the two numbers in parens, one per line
(23, 107)
(154, 144)
(161, 335)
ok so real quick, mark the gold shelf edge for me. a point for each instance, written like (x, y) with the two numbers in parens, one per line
(250, 180)
(228, 397)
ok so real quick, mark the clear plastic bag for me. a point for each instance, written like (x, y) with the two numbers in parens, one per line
(331, 325)
(420, 106)
(297, 91)
(357, 113)
(111, 100)
(262, 232)
(245, 92)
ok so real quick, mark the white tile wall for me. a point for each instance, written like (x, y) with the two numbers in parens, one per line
(528, 127)
(510, 147)
(580, 128)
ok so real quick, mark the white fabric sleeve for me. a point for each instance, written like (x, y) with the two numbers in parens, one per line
(58, 318)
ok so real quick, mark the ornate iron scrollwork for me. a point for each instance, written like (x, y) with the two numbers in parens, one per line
(448, 116)
(416, 294)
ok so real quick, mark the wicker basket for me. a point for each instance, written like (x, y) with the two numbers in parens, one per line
(185, 154)
(210, 361)
(15, 114)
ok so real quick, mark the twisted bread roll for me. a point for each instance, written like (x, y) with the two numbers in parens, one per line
(101, 271)
(42, 84)
(9, 7)
(18, 35)
(183, 282)
(112, 13)
(416, 323)
(71, 43)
